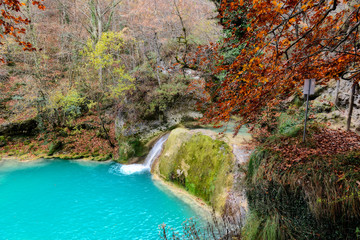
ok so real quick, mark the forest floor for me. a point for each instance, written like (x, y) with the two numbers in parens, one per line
(62, 143)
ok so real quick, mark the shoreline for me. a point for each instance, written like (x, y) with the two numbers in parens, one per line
(34, 159)
(20, 158)
(194, 202)
(29, 158)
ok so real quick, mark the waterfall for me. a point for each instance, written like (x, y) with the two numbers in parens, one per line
(150, 158)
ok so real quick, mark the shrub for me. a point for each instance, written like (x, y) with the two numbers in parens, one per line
(227, 227)
(315, 196)
(130, 147)
(3, 141)
(54, 147)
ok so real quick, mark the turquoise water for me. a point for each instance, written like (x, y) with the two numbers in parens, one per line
(82, 200)
(229, 128)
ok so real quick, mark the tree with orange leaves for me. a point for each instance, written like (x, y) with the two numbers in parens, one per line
(11, 21)
(281, 43)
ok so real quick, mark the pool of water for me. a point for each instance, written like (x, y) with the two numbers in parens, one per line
(229, 128)
(56, 199)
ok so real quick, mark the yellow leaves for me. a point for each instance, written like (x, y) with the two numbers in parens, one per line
(69, 102)
(309, 4)
(260, 34)
(104, 57)
(122, 87)
(277, 5)
(101, 54)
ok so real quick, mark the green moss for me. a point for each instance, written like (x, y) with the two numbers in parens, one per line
(64, 156)
(199, 164)
(258, 227)
(171, 148)
(85, 155)
(252, 227)
(131, 147)
(298, 102)
(103, 158)
(54, 147)
(77, 156)
(3, 141)
(290, 125)
(254, 163)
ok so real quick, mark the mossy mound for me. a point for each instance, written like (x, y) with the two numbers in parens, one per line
(199, 164)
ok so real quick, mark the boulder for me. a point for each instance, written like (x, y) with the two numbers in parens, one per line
(343, 102)
(322, 104)
(200, 164)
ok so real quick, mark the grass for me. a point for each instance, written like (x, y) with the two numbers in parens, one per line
(315, 195)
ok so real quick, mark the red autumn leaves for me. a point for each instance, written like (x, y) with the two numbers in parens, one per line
(324, 142)
(12, 24)
(280, 44)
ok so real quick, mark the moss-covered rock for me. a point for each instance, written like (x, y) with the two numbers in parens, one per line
(199, 164)
(130, 147)
(26, 128)
(103, 158)
(54, 147)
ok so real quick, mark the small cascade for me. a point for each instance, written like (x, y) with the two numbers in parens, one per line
(150, 158)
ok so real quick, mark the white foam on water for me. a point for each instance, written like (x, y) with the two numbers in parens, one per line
(140, 168)
(133, 168)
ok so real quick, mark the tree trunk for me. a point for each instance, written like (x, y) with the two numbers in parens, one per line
(102, 121)
(158, 58)
(351, 107)
(99, 31)
(336, 100)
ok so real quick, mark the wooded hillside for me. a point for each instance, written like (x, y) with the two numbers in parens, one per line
(94, 60)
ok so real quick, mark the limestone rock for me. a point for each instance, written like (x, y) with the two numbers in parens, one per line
(343, 102)
(27, 127)
(200, 164)
(322, 104)
(125, 126)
